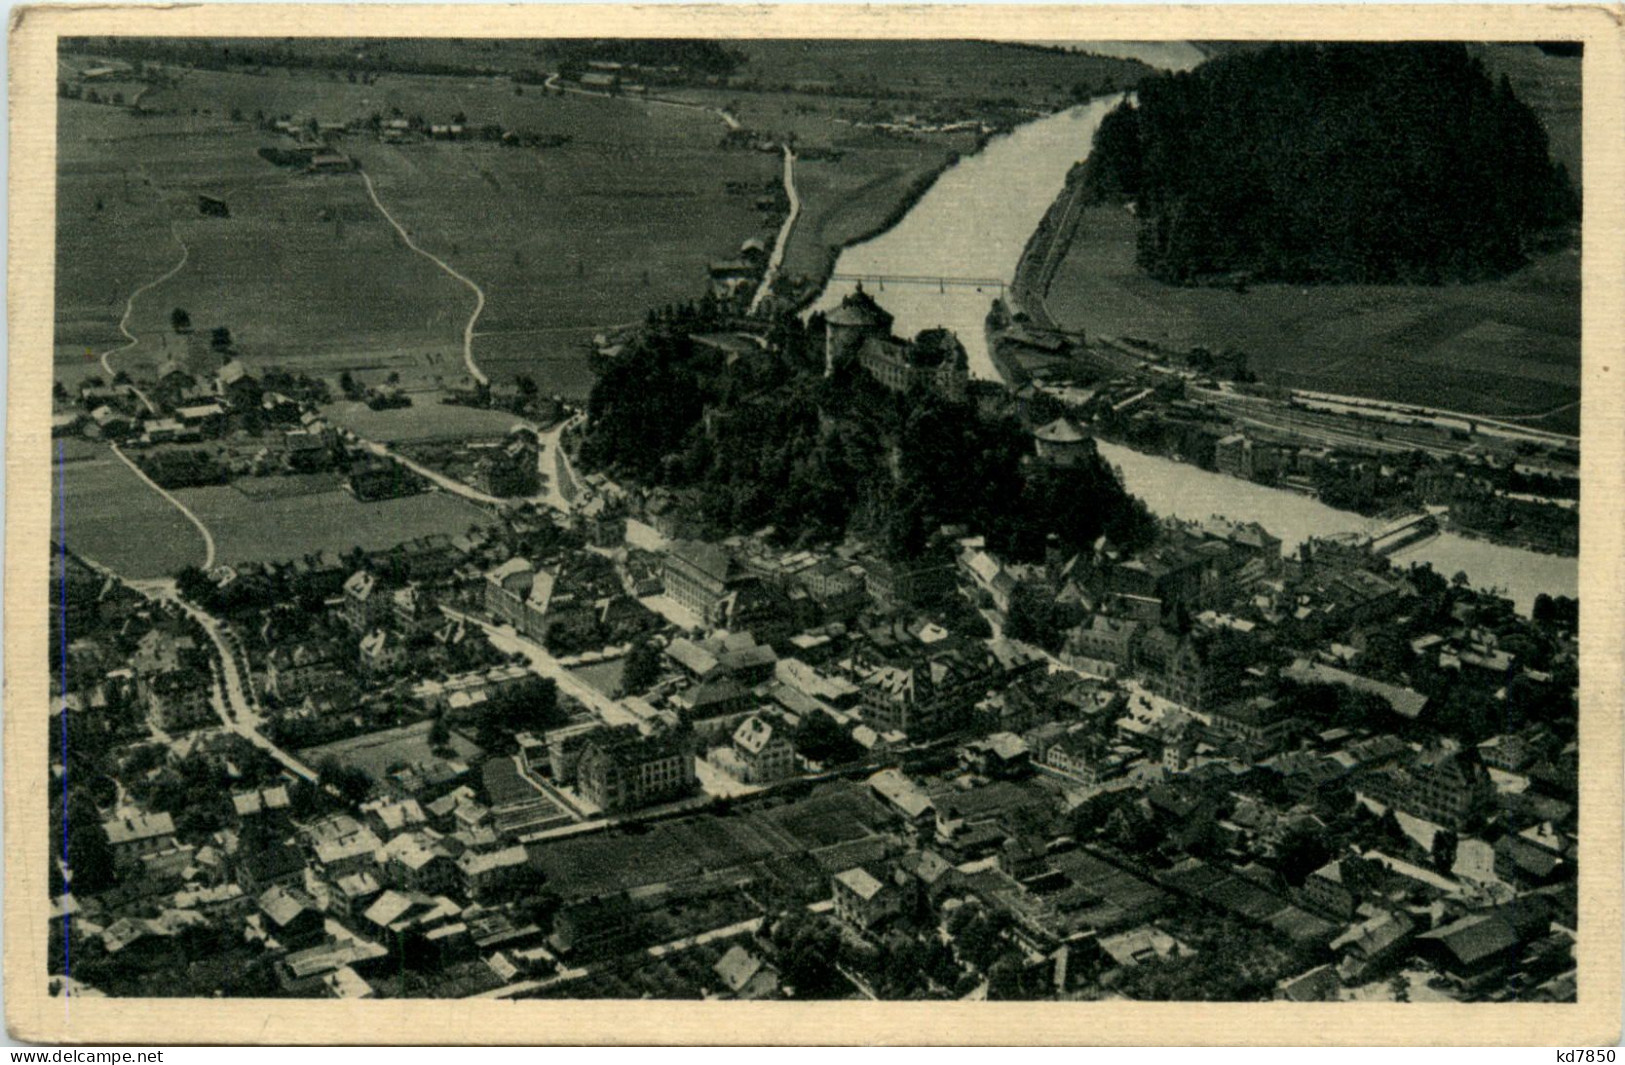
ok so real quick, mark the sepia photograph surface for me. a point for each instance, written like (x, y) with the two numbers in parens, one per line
(990, 515)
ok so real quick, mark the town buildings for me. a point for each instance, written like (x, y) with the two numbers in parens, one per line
(623, 768)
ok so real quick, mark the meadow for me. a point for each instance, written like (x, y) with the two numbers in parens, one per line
(1509, 347)
(622, 215)
(426, 420)
(935, 71)
(270, 528)
(571, 241)
(115, 519)
(304, 272)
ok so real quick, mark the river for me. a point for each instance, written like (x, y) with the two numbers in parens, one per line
(1179, 490)
(972, 223)
(975, 221)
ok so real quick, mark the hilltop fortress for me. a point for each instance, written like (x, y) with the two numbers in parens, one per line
(859, 331)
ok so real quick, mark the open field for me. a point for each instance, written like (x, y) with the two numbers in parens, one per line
(375, 752)
(427, 419)
(932, 70)
(115, 519)
(1508, 347)
(676, 850)
(849, 198)
(102, 255)
(581, 238)
(304, 272)
(247, 528)
(566, 241)
(605, 676)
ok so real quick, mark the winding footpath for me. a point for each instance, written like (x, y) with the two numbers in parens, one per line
(129, 308)
(479, 293)
(776, 260)
(208, 537)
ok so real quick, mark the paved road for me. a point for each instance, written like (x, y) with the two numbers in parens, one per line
(479, 293)
(239, 711)
(129, 309)
(555, 465)
(552, 470)
(776, 260)
(544, 664)
(208, 537)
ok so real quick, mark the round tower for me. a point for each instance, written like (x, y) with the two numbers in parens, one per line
(1064, 443)
(857, 319)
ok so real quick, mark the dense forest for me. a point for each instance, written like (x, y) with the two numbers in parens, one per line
(1325, 163)
(775, 443)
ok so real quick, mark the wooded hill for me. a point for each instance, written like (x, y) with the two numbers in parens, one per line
(1318, 163)
(772, 442)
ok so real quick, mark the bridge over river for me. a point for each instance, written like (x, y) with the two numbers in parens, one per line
(942, 284)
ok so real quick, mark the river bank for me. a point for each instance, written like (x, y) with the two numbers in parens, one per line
(1176, 489)
(1045, 250)
(979, 220)
(972, 223)
(814, 284)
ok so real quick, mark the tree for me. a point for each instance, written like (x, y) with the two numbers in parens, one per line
(1444, 850)
(352, 783)
(180, 321)
(526, 384)
(807, 948)
(1131, 830)
(642, 668)
(1389, 827)
(439, 733)
(220, 339)
(82, 844)
(1214, 158)
(1300, 853)
(819, 739)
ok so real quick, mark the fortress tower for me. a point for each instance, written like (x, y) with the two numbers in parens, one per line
(847, 327)
(1063, 442)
